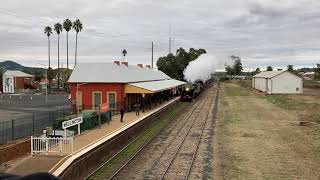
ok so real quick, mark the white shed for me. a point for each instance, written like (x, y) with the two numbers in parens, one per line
(278, 82)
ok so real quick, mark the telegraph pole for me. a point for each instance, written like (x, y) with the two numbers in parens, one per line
(169, 38)
(169, 44)
(151, 55)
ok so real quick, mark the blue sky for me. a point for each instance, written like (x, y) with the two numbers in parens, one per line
(261, 32)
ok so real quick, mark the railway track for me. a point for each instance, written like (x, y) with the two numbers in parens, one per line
(181, 138)
(180, 164)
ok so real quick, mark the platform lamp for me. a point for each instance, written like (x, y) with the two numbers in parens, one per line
(45, 67)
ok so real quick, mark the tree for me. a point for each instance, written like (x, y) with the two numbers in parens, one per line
(58, 29)
(124, 53)
(67, 25)
(38, 76)
(236, 67)
(2, 71)
(229, 70)
(290, 68)
(48, 32)
(258, 71)
(317, 72)
(50, 74)
(174, 65)
(77, 26)
(269, 68)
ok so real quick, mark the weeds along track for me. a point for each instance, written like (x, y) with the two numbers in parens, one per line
(172, 153)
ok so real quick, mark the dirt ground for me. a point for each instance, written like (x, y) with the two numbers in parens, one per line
(259, 138)
(311, 92)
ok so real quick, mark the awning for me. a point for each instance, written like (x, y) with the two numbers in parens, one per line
(152, 86)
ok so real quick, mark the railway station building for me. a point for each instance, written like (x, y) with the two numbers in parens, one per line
(119, 84)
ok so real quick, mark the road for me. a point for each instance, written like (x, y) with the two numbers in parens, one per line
(17, 106)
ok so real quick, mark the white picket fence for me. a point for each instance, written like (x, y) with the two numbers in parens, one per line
(51, 146)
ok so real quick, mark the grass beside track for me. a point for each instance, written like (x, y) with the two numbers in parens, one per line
(259, 137)
(233, 90)
(306, 108)
(121, 158)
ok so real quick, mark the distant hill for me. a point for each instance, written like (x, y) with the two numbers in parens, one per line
(10, 65)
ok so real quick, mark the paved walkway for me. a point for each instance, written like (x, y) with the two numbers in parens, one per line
(83, 143)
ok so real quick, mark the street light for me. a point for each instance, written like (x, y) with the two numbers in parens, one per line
(45, 67)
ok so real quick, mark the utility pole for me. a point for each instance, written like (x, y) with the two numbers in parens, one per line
(169, 44)
(169, 38)
(151, 55)
(46, 81)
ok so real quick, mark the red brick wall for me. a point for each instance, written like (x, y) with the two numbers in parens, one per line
(88, 89)
(21, 83)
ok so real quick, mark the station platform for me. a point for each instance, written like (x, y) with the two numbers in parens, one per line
(83, 143)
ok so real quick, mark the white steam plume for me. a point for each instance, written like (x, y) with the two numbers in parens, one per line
(200, 68)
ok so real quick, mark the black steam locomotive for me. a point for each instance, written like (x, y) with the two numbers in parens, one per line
(191, 90)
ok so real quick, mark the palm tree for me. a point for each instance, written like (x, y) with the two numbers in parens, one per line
(67, 25)
(58, 29)
(77, 26)
(124, 53)
(48, 32)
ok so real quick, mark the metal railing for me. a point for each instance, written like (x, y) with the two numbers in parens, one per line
(52, 146)
(25, 126)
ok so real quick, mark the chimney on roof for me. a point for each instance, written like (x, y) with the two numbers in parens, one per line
(140, 65)
(124, 63)
(148, 66)
(117, 62)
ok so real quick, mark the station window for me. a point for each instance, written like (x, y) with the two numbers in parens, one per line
(96, 99)
(112, 100)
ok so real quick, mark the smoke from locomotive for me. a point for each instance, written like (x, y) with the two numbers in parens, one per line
(200, 69)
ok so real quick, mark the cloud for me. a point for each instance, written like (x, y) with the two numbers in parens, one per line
(259, 31)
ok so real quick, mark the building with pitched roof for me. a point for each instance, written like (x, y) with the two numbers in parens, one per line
(15, 81)
(278, 82)
(119, 84)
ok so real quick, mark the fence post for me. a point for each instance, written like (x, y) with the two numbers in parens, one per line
(99, 117)
(60, 144)
(49, 117)
(71, 140)
(47, 144)
(31, 145)
(12, 129)
(32, 124)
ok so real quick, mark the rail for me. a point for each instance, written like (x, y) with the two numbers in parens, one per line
(200, 137)
(180, 145)
(128, 161)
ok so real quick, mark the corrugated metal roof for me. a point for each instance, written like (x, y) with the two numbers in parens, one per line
(268, 74)
(17, 74)
(113, 73)
(156, 86)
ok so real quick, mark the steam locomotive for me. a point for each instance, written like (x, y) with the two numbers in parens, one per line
(191, 90)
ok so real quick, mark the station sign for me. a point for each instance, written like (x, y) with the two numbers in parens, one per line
(72, 122)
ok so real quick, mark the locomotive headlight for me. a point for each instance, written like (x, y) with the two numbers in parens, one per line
(187, 89)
